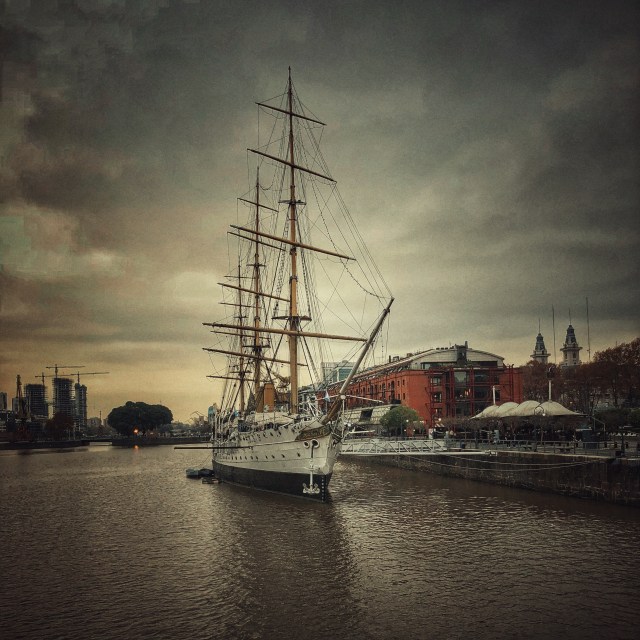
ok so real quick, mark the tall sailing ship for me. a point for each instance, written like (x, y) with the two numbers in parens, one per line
(299, 308)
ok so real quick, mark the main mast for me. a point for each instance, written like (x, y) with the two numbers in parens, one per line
(294, 318)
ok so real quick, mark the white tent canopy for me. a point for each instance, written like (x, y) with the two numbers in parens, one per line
(528, 408)
(552, 408)
(525, 409)
(506, 409)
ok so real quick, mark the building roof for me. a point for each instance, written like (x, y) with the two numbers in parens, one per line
(452, 356)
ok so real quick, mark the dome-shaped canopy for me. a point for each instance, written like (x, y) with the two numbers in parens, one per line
(552, 408)
(528, 408)
(525, 409)
(505, 410)
(487, 412)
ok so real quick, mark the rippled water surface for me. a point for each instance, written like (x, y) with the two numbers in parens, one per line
(118, 543)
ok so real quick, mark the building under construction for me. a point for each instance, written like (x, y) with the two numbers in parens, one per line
(36, 396)
(63, 400)
(69, 398)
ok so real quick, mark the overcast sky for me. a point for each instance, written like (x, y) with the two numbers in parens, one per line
(489, 150)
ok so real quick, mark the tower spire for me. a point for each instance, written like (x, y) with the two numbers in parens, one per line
(571, 349)
(540, 353)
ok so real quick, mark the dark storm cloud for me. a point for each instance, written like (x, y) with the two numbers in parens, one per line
(127, 104)
(487, 147)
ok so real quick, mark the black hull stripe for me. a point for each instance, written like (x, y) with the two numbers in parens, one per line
(289, 483)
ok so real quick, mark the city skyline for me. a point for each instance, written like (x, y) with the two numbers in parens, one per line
(488, 152)
(200, 414)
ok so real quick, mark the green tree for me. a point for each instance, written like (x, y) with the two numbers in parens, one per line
(396, 420)
(138, 415)
(535, 380)
(618, 370)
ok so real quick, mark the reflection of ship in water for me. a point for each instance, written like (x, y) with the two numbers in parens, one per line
(261, 569)
(32, 422)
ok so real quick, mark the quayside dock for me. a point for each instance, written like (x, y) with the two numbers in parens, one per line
(607, 474)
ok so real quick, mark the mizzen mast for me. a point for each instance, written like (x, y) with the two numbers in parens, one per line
(241, 367)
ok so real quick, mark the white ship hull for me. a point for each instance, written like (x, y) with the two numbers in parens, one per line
(292, 458)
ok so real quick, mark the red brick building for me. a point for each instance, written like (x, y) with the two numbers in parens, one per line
(448, 382)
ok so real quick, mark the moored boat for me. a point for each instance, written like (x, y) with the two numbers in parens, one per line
(291, 301)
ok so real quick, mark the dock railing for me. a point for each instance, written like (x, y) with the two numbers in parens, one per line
(610, 449)
(427, 446)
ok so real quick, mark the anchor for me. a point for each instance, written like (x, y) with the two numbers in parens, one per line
(313, 487)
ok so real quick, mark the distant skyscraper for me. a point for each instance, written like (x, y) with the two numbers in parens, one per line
(336, 371)
(540, 353)
(571, 349)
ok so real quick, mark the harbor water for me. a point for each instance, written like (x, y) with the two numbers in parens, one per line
(117, 543)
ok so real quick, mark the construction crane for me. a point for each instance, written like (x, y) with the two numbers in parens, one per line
(63, 366)
(88, 373)
(42, 375)
(75, 373)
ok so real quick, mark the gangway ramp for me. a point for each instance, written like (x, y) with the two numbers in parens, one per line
(379, 447)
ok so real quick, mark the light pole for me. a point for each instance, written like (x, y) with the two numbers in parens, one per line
(539, 411)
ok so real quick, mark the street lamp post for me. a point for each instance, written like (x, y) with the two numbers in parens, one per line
(539, 411)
